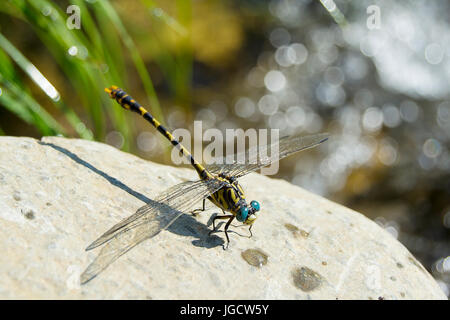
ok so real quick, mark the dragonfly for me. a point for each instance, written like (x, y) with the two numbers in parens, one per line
(217, 182)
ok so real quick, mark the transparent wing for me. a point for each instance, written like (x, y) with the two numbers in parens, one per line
(257, 157)
(147, 222)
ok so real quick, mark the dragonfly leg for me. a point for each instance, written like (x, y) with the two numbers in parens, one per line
(197, 211)
(219, 218)
(214, 221)
(250, 230)
(226, 228)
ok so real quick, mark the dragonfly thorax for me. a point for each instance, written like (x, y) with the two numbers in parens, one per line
(231, 198)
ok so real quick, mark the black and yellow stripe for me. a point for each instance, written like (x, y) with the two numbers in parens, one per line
(230, 197)
(127, 102)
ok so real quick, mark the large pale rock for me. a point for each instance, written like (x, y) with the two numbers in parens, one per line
(58, 195)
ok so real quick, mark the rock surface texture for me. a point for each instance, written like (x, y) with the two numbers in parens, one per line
(58, 195)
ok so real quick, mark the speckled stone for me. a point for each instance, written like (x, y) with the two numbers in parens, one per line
(58, 195)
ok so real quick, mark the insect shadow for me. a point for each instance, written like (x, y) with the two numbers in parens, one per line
(185, 225)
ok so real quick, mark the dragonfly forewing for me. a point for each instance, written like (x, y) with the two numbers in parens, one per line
(118, 246)
(257, 157)
(147, 222)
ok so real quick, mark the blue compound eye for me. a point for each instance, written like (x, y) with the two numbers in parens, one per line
(255, 205)
(242, 214)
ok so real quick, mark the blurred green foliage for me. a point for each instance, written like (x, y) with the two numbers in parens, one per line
(91, 58)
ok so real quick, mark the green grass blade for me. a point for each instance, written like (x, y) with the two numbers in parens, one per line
(37, 77)
(135, 56)
(42, 119)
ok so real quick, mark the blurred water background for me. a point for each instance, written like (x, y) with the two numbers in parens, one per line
(375, 74)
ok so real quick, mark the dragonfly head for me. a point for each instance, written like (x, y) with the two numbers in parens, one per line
(248, 213)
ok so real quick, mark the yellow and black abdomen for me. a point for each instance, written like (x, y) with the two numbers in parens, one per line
(127, 102)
